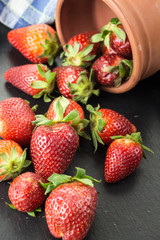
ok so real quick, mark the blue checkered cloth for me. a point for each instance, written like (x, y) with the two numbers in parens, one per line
(21, 13)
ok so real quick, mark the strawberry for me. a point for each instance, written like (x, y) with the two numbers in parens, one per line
(123, 157)
(64, 110)
(79, 50)
(111, 69)
(115, 39)
(38, 43)
(35, 80)
(52, 148)
(26, 193)
(71, 206)
(105, 123)
(74, 82)
(16, 118)
(12, 159)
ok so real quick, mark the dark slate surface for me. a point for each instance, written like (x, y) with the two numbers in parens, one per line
(128, 210)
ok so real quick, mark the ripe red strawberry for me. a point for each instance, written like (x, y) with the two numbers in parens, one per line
(16, 118)
(105, 123)
(12, 159)
(70, 208)
(74, 82)
(112, 69)
(26, 193)
(53, 148)
(38, 43)
(35, 80)
(79, 50)
(115, 39)
(123, 157)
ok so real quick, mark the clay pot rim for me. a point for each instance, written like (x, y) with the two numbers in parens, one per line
(137, 70)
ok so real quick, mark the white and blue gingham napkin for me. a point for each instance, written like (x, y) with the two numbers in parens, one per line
(21, 13)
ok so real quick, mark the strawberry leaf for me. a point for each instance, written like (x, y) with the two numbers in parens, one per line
(101, 124)
(58, 179)
(76, 48)
(82, 177)
(97, 38)
(97, 124)
(83, 88)
(55, 180)
(14, 165)
(84, 135)
(122, 70)
(39, 84)
(136, 137)
(86, 50)
(118, 81)
(129, 64)
(50, 60)
(69, 49)
(115, 21)
(38, 210)
(4, 156)
(120, 33)
(107, 41)
(80, 173)
(71, 116)
(46, 98)
(90, 108)
(32, 214)
(40, 94)
(41, 71)
(60, 106)
(89, 58)
(34, 108)
(51, 47)
(85, 181)
(42, 120)
(11, 205)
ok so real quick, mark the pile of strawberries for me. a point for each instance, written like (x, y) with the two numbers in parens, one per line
(53, 138)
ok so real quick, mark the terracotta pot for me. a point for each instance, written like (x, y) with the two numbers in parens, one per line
(140, 19)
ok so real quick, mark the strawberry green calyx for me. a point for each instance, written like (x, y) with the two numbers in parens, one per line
(59, 107)
(13, 165)
(83, 88)
(51, 47)
(32, 214)
(34, 108)
(107, 30)
(135, 137)
(72, 55)
(46, 86)
(56, 180)
(96, 124)
(123, 69)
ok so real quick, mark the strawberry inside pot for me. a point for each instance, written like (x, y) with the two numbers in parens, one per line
(137, 26)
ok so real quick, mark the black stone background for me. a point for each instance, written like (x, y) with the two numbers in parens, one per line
(128, 210)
